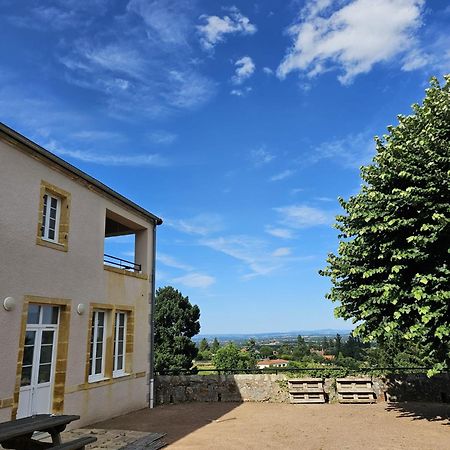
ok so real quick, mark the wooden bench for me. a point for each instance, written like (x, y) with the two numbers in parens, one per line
(76, 444)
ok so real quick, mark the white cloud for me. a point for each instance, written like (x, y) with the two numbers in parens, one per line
(170, 261)
(254, 253)
(214, 29)
(241, 92)
(351, 152)
(167, 20)
(108, 159)
(192, 278)
(54, 129)
(245, 68)
(115, 57)
(261, 156)
(61, 16)
(162, 137)
(303, 216)
(27, 115)
(267, 70)
(195, 280)
(202, 224)
(282, 251)
(433, 55)
(190, 89)
(294, 217)
(282, 175)
(55, 17)
(284, 233)
(96, 135)
(352, 38)
(141, 62)
(133, 81)
(415, 59)
(325, 199)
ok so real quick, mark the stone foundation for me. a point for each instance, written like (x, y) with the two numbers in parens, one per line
(274, 388)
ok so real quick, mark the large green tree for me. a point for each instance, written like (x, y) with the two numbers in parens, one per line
(231, 357)
(176, 322)
(391, 273)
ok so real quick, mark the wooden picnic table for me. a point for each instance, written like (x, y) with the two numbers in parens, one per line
(18, 434)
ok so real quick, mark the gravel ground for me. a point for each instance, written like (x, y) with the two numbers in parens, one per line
(228, 426)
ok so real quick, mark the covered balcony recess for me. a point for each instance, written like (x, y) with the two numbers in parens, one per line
(126, 244)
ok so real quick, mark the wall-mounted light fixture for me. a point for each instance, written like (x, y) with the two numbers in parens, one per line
(9, 303)
(81, 308)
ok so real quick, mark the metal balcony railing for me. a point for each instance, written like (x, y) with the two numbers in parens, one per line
(121, 263)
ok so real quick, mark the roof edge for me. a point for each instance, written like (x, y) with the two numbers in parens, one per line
(30, 145)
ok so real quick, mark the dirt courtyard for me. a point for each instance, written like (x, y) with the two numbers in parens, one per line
(283, 426)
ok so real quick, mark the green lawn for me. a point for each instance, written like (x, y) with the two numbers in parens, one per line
(207, 367)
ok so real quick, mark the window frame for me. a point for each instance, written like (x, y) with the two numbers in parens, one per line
(93, 377)
(45, 224)
(62, 219)
(120, 372)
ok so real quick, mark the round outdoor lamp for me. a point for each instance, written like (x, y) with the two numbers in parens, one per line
(9, 303)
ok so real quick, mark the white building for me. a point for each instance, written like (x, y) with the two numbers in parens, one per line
(74, 329)
(272, 363)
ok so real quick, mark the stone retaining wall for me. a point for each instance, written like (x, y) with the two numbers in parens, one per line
(273, 388)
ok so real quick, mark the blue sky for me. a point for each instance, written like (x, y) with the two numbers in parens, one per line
(238, 123)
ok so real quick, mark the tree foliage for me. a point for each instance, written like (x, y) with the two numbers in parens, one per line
(354, 348)
(204, 351)
(302, 348)
(231, 357)
(176, 322)
(203, 345)
(215, 345)
(398, 353)
(338, 344)
(391, 273)
(250, 346)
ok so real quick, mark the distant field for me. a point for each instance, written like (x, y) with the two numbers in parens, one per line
(207, 367)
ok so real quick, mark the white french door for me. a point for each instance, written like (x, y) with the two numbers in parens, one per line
(38, 364)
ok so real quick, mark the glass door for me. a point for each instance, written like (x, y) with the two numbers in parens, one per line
(38, 362)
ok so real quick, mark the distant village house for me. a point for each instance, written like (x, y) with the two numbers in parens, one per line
(270, 363)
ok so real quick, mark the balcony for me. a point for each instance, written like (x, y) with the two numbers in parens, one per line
(121, 263)
(126, 246)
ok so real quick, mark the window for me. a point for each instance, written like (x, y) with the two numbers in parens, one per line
(110, 342)
(120, 332)
(40, 333)
(97, 346)
(50, 218)
(53, 221)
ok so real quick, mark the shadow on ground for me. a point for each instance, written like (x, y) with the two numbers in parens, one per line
(178, 420)
(432, 412)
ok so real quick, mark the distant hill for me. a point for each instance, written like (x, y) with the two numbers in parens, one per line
(277, 335)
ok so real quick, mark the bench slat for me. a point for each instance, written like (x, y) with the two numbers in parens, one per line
(76, 444)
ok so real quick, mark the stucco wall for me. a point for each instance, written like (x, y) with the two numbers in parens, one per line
(274, 388)
(77, 275)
